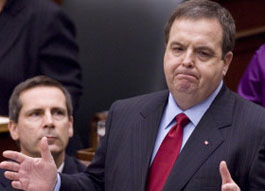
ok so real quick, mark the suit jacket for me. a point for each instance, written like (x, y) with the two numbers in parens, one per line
(71, 166)
(37, 38)
(234, 128)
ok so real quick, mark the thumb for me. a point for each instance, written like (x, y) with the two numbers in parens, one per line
(225, 174)
(44, 150)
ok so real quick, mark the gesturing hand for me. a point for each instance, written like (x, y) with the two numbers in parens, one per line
(228, 183)
(31, 174)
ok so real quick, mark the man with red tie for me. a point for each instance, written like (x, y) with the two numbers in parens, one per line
(182, 139)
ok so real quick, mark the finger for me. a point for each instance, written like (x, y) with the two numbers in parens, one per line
(10, 165)
(225, 174)
(16, 184)
(14, 155)
(11, 175)
(230, 187)
(45, 151)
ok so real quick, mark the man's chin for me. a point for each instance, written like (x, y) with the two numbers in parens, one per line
(54, 149)
(184, 89)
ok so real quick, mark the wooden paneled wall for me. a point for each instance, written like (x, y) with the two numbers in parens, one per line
(250, 22)
(58, 1)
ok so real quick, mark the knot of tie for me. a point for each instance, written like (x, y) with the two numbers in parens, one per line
(182, 120)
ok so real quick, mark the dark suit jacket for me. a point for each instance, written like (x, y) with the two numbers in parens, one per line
(71, 166)
(36, 38)
(234, 128)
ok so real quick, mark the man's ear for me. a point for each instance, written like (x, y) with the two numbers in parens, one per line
(227, 60)
(13, 130)
(71, 128)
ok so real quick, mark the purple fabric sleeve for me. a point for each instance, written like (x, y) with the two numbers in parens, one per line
(252, 83)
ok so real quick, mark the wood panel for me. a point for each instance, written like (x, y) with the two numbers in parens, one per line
(6, 143)
(250, 22)
(244, 50)
(58, 1)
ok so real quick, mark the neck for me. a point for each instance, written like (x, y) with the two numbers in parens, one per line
(185, 101)
(58, 158)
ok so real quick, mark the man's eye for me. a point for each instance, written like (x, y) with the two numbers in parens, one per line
(34, 114)
(204, 55)
(58, 114)
(177, 49)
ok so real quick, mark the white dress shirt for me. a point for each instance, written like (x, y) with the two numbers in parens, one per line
(194, 113)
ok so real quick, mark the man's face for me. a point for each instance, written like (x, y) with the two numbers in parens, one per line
(43, 113)
(193, 61)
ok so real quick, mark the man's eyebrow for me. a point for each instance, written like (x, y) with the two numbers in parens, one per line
(59, 108)
(33, 110)
(204, 48)
(175, 43)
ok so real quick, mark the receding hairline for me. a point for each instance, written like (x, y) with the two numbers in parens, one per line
(183, 18)
(43, 86)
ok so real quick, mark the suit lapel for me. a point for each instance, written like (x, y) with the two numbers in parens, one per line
(12, 20)
(205, 139)
(149, 125)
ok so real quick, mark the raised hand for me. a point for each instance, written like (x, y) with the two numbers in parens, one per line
(31, 174)
(228, 183)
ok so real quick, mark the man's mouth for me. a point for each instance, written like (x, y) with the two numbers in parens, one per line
(50, 139)
(183, 76)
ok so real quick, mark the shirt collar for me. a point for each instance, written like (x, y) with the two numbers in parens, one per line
(60, 169)
(194, 113)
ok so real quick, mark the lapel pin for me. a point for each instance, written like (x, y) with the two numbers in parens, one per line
(206, 143)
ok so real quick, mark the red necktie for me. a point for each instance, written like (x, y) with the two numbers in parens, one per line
(167, 155)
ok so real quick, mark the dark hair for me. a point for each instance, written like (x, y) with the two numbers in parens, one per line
(198, 9)
(15, 104)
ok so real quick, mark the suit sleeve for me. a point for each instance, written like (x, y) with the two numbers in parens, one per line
(93, 179)
(58, 52)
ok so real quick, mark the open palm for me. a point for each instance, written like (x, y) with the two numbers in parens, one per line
(31, 174)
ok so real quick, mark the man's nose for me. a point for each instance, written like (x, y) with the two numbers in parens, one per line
(48, 121)
(188, 59)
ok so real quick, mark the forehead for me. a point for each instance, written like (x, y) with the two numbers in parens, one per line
(203, 29)
(42, 96)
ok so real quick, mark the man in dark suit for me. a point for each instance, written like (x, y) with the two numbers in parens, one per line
(222, 131)
(40, 107)
(37, 38)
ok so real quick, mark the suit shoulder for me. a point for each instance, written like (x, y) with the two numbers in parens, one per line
(251, 113)
(247, 105)
(73, 165)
